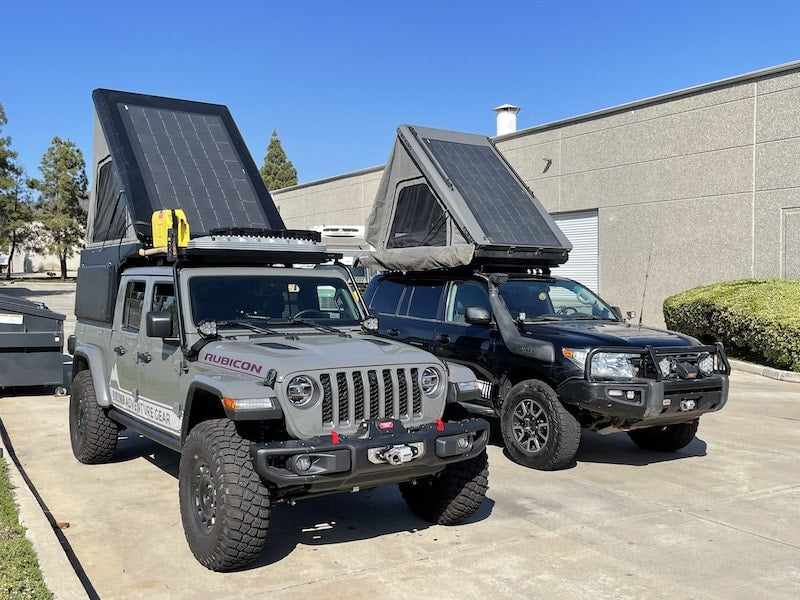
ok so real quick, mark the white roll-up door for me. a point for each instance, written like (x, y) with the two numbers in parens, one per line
(583, 264)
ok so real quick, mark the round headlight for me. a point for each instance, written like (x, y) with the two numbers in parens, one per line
(665, 366)
(705, 362)
(300, 390)
(429, 380)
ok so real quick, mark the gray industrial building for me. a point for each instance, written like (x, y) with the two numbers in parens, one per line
(657, 196)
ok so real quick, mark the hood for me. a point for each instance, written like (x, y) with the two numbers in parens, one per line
(599, 333)
(259, 354)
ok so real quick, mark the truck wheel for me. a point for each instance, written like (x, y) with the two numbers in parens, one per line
(224, 504)
(92, 434)
(451, 496)
(537, 430)
(668, 438)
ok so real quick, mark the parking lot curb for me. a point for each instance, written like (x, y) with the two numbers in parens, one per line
(58, 573)
(740, 365)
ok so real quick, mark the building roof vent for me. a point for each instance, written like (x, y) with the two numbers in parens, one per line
(506, 118)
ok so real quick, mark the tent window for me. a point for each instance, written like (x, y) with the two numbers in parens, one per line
(111, 210)
(418, 220)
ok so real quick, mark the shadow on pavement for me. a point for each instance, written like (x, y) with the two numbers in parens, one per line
(332, 519)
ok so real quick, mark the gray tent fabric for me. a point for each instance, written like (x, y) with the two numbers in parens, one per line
(420, 258)
(446, 188)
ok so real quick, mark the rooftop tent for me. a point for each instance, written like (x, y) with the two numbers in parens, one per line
(152, 153)
(450, 199)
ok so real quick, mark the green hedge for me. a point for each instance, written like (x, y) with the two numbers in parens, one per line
(757, 319)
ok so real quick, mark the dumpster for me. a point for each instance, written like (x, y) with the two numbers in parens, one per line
(31, 342)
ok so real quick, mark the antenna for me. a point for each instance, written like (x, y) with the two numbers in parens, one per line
(646, 275)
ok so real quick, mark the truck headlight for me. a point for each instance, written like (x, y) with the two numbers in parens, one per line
(430, 381)
(300, 390)
(613, 364)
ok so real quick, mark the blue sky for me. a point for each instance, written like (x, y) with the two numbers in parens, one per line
(336, 78)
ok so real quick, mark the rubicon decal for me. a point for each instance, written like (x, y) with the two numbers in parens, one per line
(233, 363)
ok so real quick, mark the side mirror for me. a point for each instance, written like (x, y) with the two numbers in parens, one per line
(477, 315)
(158, 324)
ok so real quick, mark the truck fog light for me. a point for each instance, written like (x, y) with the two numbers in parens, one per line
(630, 394)
(300, 390)
(615, 393)
(462, 443)
(705, 362)
(302, 463)
(665, 366)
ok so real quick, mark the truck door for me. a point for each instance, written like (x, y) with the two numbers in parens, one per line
(456, 340)
(159, 366)
(124, 376)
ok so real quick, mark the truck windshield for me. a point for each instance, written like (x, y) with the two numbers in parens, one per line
(272, 298)
(531, 300)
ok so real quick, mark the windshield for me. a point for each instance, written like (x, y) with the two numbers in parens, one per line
(532, 300)
(272, 299)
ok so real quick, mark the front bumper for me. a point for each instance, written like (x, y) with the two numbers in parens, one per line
(647, 402)
(382, 451)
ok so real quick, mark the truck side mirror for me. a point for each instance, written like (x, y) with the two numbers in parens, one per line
(477, 315)
(158, 324)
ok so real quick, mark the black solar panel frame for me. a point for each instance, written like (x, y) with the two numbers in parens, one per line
(435, 172)
(127, 155)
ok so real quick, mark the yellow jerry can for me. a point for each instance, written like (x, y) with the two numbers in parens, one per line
(166, 219)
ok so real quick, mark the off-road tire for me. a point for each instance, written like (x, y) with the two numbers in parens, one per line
(667, 438)
(224, 504)
(538, 431)
(452, 495)
(92, 434)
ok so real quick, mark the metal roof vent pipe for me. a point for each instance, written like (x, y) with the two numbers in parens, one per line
(506, 118)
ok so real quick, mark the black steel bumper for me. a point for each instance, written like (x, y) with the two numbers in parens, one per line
(381, 451)
(647, 402)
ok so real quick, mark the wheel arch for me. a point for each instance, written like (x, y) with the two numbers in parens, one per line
(90, 358)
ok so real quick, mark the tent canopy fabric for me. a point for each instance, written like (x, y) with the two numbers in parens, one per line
(444, 190)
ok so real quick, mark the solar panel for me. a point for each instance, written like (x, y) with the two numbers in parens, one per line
(179, 154)
(497, 199)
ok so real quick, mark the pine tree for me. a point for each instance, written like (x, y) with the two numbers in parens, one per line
(15, 210)
(278, 171)
(63, 189)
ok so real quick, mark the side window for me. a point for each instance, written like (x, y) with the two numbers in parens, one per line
(425, 301)
(132, 309)
(386, 297)
(164, 299)
(463, 294)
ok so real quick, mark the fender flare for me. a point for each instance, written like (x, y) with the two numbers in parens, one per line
(94, 358)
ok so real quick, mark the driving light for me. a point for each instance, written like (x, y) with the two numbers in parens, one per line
(665, 366)
(429, 381)
(302, 463)
(705, 362)
(207, 329)
(300, 390)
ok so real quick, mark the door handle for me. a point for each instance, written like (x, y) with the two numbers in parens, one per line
(119, 350)
(393, 332)
(144, 357)
(443, 338)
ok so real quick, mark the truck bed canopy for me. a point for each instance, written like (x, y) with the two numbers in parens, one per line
(449, 199)
(153, 153)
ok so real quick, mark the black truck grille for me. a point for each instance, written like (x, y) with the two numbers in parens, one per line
(352, 396)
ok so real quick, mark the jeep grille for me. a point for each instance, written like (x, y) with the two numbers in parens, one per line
(350, 397)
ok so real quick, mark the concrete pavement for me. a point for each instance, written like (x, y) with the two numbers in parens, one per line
(720, 519)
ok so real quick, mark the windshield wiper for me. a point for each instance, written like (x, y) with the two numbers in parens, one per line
(593, 318)
(250, 326)
(319, 327)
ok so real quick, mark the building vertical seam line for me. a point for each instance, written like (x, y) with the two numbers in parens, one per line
(753, 192)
